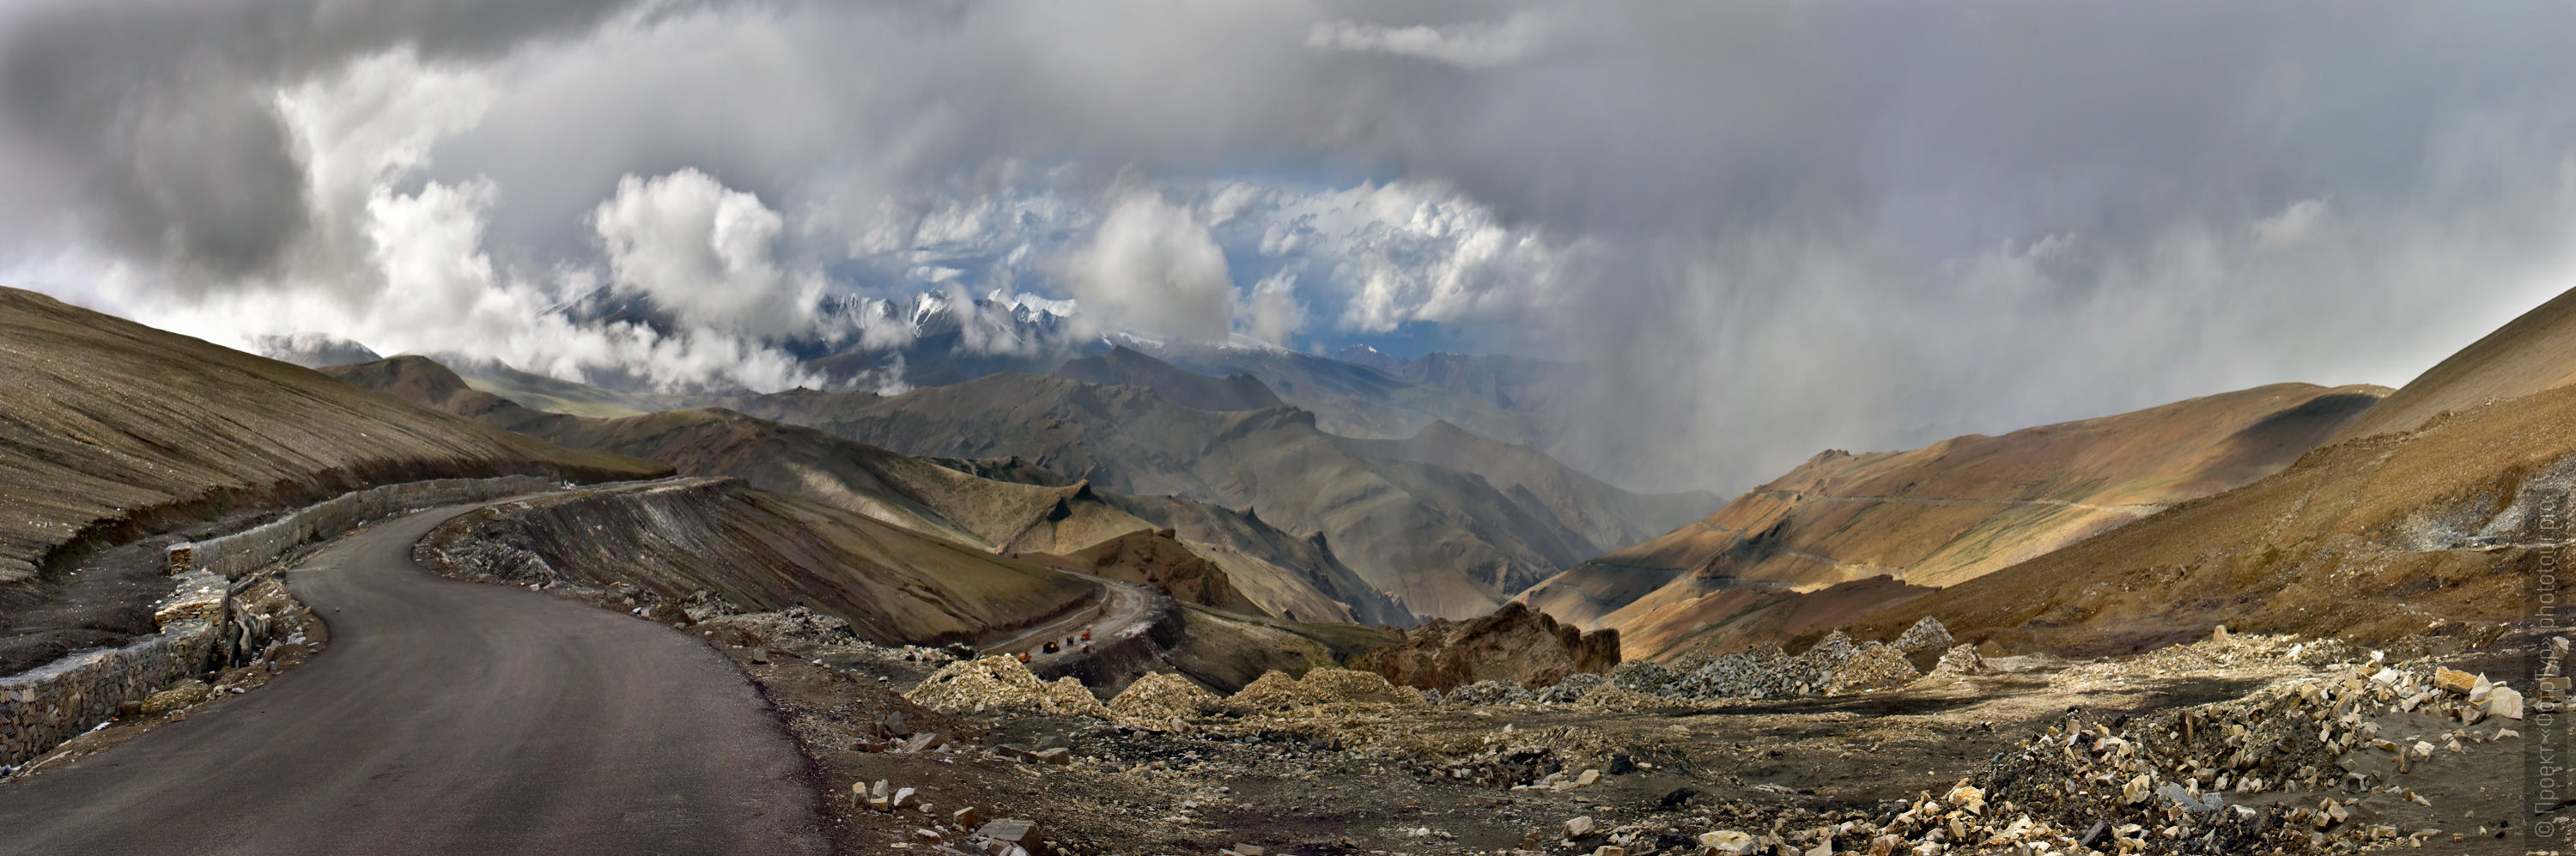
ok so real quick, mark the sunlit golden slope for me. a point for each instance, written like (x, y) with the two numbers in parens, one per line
(2413, 524)
(1949, 512)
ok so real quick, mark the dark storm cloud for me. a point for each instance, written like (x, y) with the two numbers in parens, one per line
(161, 114)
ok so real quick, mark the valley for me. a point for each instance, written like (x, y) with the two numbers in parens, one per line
(1134, 608)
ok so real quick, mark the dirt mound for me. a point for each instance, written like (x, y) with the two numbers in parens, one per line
(1003, 682)
(1161, 696)
(1324, 687)
(1514, 643)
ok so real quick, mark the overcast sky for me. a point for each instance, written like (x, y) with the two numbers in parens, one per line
(1770, 227)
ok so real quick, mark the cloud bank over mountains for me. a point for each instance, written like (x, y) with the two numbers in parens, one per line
(1763, 228)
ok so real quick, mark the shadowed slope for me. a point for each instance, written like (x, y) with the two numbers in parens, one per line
(1443, 541)
(1040, 512)
(1127, 367)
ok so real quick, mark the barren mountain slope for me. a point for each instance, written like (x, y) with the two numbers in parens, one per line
(2532, 353)
(2372, 538)
(1604, 514)
(110, 431)
(1444, 542)
(1127, 367)
(1042, 513)
(760, 551)
(1157, 559)
(1949, 512)
(562, 396)
(1355, 400)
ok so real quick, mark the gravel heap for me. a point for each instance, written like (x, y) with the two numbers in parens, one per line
(1574, 687)
(1160, 697)
(1928, 634)
(1001, 681)
(794, 624)
(1834, 665)
(1961, 660)
(1322, 687)
(1872, 667)
(1488, 693)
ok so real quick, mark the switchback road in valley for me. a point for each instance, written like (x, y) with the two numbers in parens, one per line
(445, 717)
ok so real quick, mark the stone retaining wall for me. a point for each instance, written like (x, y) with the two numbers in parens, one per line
(237, 555)
(42, 707)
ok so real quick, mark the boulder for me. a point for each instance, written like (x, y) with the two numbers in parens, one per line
(1578, 828)
(2505, 702)
(1012, 830)
(1727, 841)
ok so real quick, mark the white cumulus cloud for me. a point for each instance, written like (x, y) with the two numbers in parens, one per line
(706, 252)
(1151, 267)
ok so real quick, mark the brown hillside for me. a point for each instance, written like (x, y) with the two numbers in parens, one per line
(1156, 559)
(760, 551)
(2374, 538)
(112, 431)
(1949, 512)
(1032, 510)
(2530, 354)
(1443, 541)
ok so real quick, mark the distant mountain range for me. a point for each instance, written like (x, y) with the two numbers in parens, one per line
(942, 339)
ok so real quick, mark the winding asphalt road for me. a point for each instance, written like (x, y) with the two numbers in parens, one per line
(1122, 607)
(445, 717)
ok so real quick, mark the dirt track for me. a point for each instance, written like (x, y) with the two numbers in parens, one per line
(446, 717)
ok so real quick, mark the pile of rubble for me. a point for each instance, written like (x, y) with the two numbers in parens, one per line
(1003, 682)
(1161, 699)
(2305, 765)
(1926, 635)
(1276, 690)
(2197, 776)
(1832, 666)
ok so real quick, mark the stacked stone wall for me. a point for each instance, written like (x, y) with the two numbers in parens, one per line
(42, 707)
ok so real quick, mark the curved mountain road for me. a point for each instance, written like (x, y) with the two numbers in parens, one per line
(445, 717)
(1122, 607)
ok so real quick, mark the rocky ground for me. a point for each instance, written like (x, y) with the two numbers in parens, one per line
(2237, 744)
